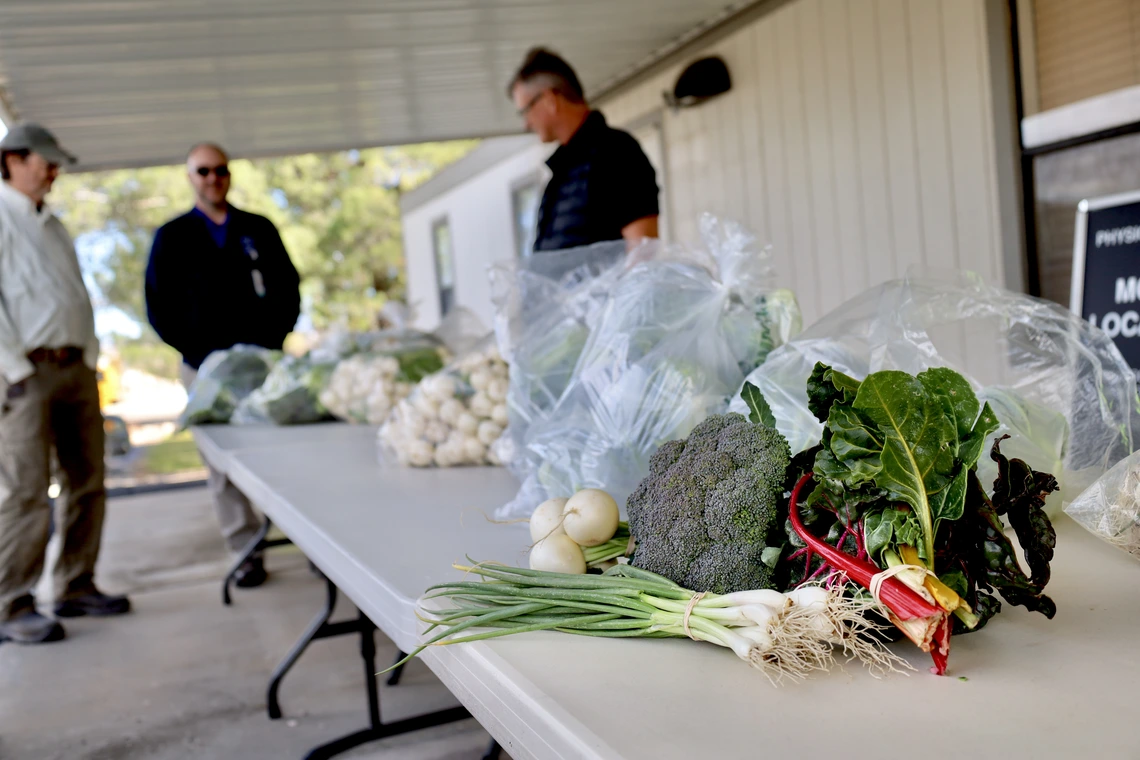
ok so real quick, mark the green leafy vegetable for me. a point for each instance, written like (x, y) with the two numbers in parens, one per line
(978, 550)
(896, 476)
(914, 437)
(759, 411)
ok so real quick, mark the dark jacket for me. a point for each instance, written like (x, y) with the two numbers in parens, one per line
(601, 181)
(201, 298)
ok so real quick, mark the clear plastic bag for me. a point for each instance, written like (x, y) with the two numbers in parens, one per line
(341, 344)
(461, 331)
(453, 417)
(290, 395)
(1058, 385)
(224, 380)
(545, 307)
(678, 332)
(365, 387)
(1110, 507)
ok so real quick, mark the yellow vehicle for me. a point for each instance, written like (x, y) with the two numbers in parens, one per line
(109, 372)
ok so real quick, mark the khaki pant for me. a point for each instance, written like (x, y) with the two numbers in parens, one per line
(58, 406)
(236, 517)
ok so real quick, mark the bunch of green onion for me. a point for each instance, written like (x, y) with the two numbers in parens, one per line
(783, 635)
(618, 546)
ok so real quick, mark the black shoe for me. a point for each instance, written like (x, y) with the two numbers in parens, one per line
(251, 573)
(94, 603)
(31, 628)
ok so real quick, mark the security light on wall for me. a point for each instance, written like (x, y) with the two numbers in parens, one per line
(702, 80)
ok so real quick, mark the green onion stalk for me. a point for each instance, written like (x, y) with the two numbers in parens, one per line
(610, 551)
(785, 636)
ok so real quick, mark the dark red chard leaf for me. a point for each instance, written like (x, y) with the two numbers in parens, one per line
(980, 543)
(1019, 494)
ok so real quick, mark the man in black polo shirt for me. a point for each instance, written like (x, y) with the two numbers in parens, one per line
(219, 276)
(603, 187)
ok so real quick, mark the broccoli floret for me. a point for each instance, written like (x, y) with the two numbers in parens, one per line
(706, 512)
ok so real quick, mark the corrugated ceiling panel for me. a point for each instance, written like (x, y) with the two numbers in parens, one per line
(134, 82)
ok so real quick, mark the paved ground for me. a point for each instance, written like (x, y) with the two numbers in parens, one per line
(184, 677)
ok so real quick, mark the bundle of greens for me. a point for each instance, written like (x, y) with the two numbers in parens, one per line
(897, 491)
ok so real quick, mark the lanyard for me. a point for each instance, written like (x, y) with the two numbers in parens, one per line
(258, 280)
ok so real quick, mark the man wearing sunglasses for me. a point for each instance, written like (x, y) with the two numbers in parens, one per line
(219, 276)
(49, 399)
(602, 186)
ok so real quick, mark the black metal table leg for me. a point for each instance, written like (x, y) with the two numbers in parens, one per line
(394, 677)
(316, 628)
(249, 550)
(378, 729)
(493, 751)
(255, 545)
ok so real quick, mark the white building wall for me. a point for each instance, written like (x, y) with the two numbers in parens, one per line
(482, 232)
(860, 138)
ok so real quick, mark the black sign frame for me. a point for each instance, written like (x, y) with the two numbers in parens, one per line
(1130, 346)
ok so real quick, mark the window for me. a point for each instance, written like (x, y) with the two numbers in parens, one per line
(524, 210)
(444, 264)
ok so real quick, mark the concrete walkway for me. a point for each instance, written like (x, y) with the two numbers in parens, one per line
(184, 677)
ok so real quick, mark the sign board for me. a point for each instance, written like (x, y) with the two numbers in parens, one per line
(1106, 269)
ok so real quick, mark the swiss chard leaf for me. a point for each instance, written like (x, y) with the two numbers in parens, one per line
(759, 413)
(826, 387)
(916, 438)
(956, 398)
(890, 527)
(992, 560)
(917, 458)
(977, 545)
(1019, 494)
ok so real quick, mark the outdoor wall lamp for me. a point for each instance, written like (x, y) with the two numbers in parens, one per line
(702, 80)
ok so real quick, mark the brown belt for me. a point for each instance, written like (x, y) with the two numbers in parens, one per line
(62, 356)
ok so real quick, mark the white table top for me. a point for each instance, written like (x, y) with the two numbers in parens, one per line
(1033, 688)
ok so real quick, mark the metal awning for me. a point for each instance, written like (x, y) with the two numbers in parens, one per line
(136, 82)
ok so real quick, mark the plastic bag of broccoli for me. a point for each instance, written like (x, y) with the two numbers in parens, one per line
(224, 380)
(545, 307)
(290, 395)
(679, 330)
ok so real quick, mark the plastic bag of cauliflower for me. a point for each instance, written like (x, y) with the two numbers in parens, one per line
(453, 417)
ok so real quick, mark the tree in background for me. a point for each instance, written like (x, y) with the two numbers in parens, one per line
(338, 213)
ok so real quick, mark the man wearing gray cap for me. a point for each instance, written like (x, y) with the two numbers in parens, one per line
(49, 400)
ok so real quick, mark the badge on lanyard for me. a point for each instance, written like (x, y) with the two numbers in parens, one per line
(258, 280)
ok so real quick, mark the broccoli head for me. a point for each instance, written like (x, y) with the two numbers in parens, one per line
(711, 505)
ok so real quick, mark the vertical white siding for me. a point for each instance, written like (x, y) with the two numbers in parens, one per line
(858, 138)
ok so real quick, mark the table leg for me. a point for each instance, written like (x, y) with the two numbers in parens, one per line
(317, 629)
(394, 677)
(378, 729)
(256, 544)
(493, 751)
